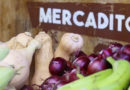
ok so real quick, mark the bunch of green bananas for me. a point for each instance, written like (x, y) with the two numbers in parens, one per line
(117, 78)
(6, 74)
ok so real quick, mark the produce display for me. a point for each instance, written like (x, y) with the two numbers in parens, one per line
(116, 80)
(67, 68)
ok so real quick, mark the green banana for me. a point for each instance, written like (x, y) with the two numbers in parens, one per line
(86, 81)
(6, 74)
(129, 88)
(3, 52)
(80, 76)
(118, 80)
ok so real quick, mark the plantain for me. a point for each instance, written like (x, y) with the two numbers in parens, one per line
(6, 74)
(3, 52)
(86, 81)
(129, 88)
(118, 80)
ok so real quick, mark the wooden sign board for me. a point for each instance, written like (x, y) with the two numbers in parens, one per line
(110, 21)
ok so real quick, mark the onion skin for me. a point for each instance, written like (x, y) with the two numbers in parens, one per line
(81, 62)
(126, 49)
(79, 54)
(121, 56)
(92, 57)
(115, 47)
(58, 66)
(96, 66)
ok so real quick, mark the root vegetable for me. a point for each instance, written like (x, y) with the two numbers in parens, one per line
(10, 88)
(42, 59)
(69, 44)
(21, 58)
(20, 41)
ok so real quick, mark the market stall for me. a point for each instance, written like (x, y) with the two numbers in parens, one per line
(64, 44)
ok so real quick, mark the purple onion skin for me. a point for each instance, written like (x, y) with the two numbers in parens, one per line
(58, 66)
(81, 62)
(125, 49)
(79, 54)
(121, 56)
(115, 47)
(96, 66)
(92, 57)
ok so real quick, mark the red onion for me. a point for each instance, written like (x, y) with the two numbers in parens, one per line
(81, 62)
(78, 54)
(92, 57)
(57, 66)
(96, 66)
(125, 49)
